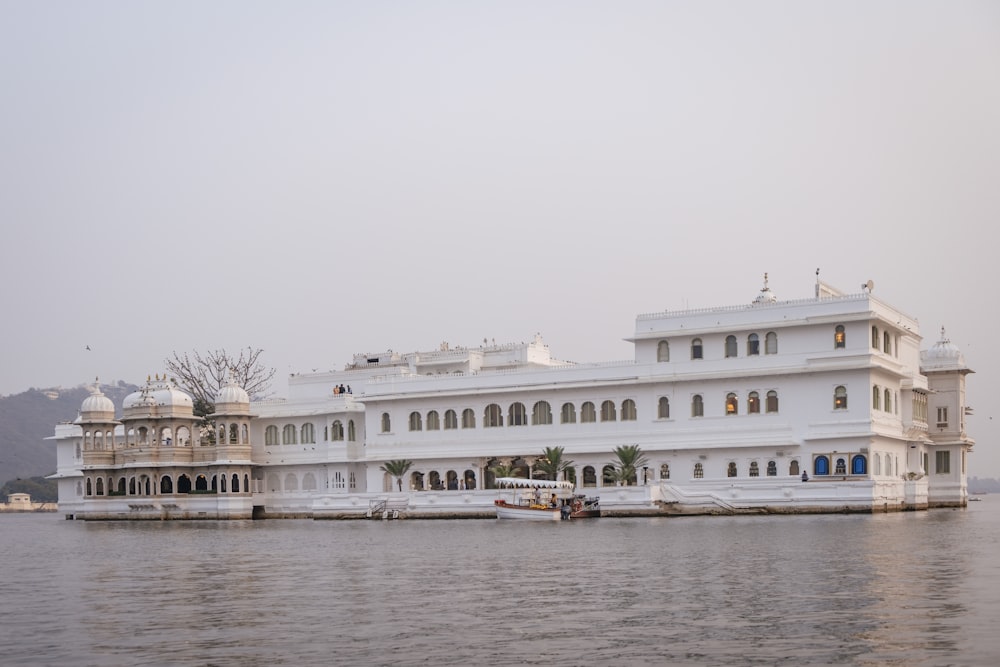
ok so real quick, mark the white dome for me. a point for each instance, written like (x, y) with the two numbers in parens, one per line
(232, 393)
(943, 353)
(97, 405)
(158, 393)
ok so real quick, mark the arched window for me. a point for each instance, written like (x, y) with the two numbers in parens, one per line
(567, 415)
(771, 343)
(887, 343)
(730, 346)
(888, 400)
(859, 465)
(433, 421)
(772, 469)
(793, 467)
(416, 422)
(288, 435)
(877, 464)
(166, 485)
(308, 433)
(821, 466)
(90, 489)
(753, 403)
(840, 398)
(665, 471)
(351, 435)
(699, 471)
(696, 349)
(663, 351)
(841, 468)
(731, 469)
(200, 483)
(753, 345)
(235, 488)
(589, 476)
(271, 435)
(628, 410)
(386, 422)
(588, 413)
(697, 406)
(450, 420)
(222, 483)
(875, 337)
(541, 413)
(234, 435)
(468, 418)
(732, 404)
(608, 475)
(291, 482)
(518, 414)
(608, 411)
(663, 408)
(772, 401)
(876, 398)
(337, 431)
(492, 416)
(839, 337)
(754, 469)
(888, 465)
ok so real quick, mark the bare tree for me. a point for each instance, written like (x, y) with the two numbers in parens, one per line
(203, 375)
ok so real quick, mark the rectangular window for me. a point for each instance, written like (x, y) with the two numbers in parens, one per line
(942, 462)
(942, 416)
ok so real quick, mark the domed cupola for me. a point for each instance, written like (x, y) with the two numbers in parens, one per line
(943, 355)
(97, 406)
(159, 397)
(232, 399)
(766, 295)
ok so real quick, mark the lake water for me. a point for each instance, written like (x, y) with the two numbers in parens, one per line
(915, 588)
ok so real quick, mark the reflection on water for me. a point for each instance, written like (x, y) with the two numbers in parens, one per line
(898, 589)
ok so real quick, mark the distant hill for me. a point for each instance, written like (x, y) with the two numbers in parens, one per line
(26, 419)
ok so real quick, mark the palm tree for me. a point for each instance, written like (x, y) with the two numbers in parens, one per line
(504, 470)
(552, 462)
(397, 468)
(630, 459)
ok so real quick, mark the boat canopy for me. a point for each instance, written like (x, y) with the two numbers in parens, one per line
(521, 482)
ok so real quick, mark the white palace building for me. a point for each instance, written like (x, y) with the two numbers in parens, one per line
(819, 404)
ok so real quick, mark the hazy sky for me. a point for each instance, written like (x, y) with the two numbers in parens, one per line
(319, 179)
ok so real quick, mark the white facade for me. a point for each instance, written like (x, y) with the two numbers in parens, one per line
(730, 407)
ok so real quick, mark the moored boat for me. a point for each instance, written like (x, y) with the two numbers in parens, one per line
(525, 499)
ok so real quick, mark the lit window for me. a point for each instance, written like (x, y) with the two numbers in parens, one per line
(732, 404)
(840, 398)
(839, 337)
